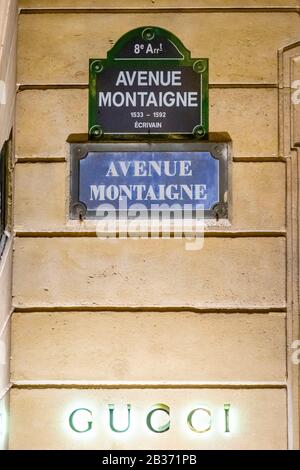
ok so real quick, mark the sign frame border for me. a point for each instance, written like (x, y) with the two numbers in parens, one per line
(220, 149)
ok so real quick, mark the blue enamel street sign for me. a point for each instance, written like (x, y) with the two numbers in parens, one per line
(154, 176)
(149, 178)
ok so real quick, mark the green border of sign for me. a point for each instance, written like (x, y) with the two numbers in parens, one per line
(96, 66)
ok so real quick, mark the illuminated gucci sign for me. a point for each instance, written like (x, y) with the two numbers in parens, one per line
(198, 419)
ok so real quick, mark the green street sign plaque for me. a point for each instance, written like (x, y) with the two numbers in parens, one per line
(148, 85)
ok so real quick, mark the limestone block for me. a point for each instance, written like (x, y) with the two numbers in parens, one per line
(247, 52)
(5, 283)
(39, 419)
(150, 4)
(41, 190)
(225, 273)
(128, 346)
(45, 118)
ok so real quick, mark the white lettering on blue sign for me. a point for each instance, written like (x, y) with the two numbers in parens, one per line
(185, 177)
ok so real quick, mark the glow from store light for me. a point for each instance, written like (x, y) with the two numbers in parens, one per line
(126, 422)
(3, 425)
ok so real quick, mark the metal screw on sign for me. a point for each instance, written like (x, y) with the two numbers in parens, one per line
(96, 131)
(97, 66)
(80, 151)
(199, 66)
(218, 150)
(148, 34)
(79, 210)
(220, 210)
(199, 131)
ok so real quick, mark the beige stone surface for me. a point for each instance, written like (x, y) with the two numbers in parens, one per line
(295, 107)
(40, 196)
(247, 52)
(4, 359)
(8, 25)
(258, 191)
(5, 284)
(5, 310)
(249, 115)
(251, 118)
(289, 98)
(39, 419)
(128, 346)
(7, 109)
(238, 272)
(46, 118)
(4, 410)
(8, 36)
(258, 196)
(153, 3)
(8, 17)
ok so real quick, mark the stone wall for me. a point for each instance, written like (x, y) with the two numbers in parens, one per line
(8, 39)
(145, 321)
